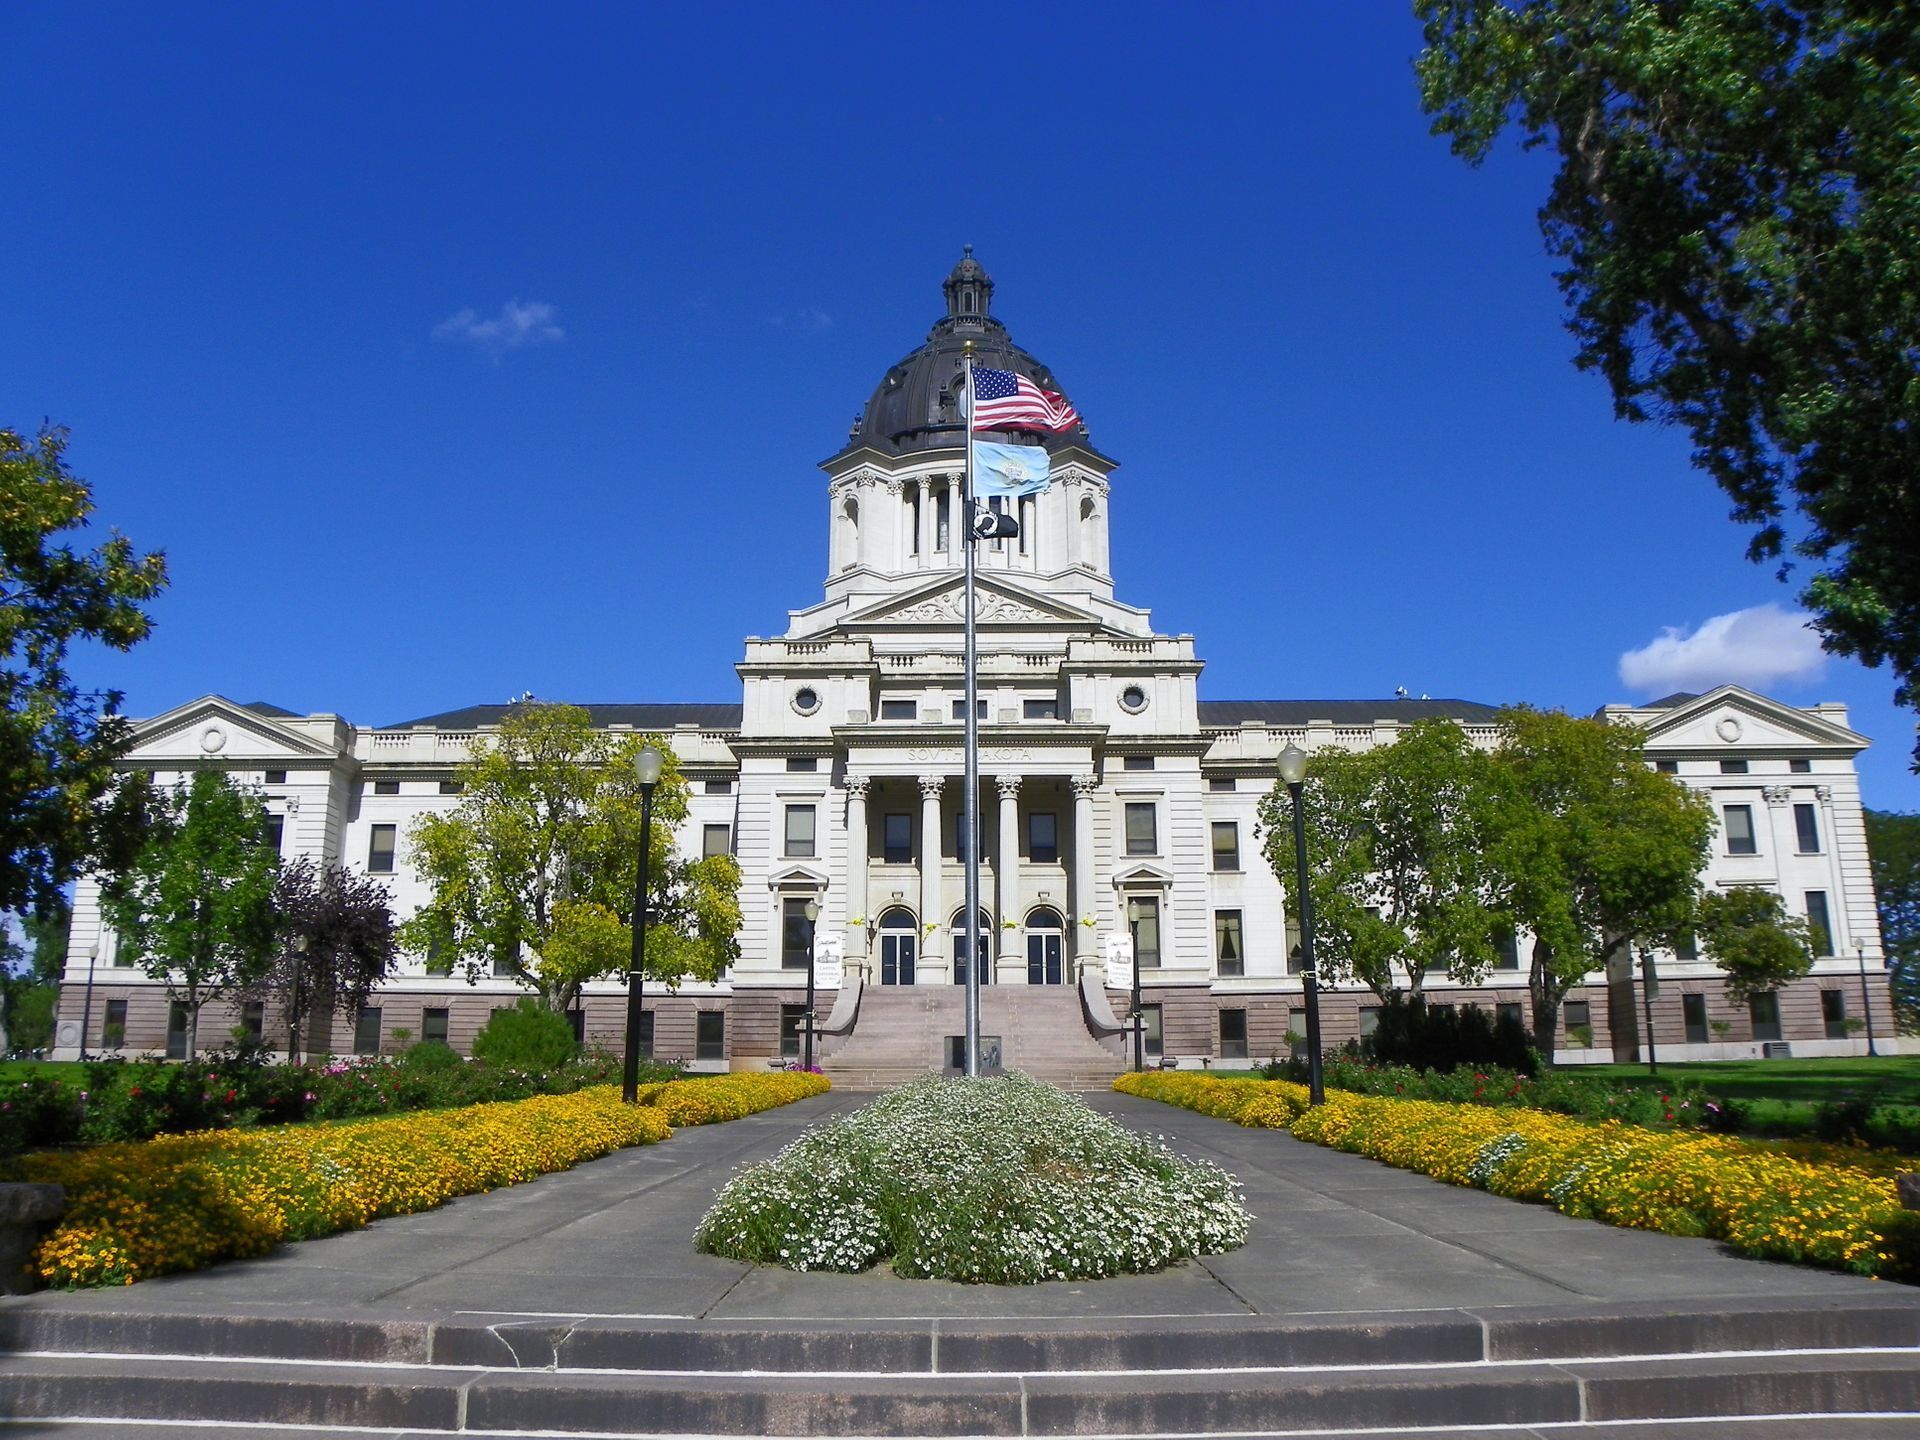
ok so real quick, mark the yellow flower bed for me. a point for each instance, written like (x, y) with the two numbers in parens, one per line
(1819, 1204)
(183, 1201)
(728, 1097)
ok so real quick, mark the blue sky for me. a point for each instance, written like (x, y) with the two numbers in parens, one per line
(455, 351)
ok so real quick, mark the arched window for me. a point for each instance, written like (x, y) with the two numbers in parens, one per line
(850, 521)
(1046, 964)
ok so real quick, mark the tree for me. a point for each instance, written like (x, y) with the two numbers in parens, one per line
(1735, 206)
(1592, 849)
(532, 873)
(1395, 842)
(1749, 934)
(197, 902)
(334, 942)
(57, 742)
(1893, 845)
(30, 976)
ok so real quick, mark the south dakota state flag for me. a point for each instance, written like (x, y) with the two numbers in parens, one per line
(1008, 469)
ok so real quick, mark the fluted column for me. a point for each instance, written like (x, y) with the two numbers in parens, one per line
(1006, 864)
(1086, 894)
(857, 902)
(930, 907)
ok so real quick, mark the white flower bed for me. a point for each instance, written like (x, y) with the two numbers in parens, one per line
(1004, 1181)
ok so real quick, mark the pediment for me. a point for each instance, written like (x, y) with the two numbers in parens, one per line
(215, 730)
(938, 605)
(1733, 718)
(798, 877)
(1142, 873)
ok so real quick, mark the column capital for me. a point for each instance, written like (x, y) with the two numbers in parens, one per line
(857, 786)
(1823, 793)
(1776, 794)
(1086, 786)
(931, 786)
(1009, 786)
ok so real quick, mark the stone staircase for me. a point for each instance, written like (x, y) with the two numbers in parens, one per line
(1812, 1370)
(902, 1033)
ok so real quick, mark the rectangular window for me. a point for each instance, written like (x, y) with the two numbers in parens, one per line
(1739, 822)
(113, 1025)
(799, 831)
(1693, 1009)
(1733, 767)
(276, 777)
(177, 1030)
(1228, 950)
(253, 1019)
(643, 1032)
(1369, 1020)
(960, 835)
(1142, 828)
(896, 839)
(276, 832)
(1226, 845)
(1040, 709)
(716, 787)
(1509, 1010)
(1686, 947)
(386, 787)
(802, 764)
(710, 1035)
(1820, 921)
(716, 840)
(796, 934)
(791, 1019)
(1577, 1015)
(1143, 916)
(1764, 1011)
(505, 967)
(1136, 762)
(960, 709)
(1800, 767)
(433, 1026)
(1152, 1032)
(366, 1031)
(899, 709)
(380, 850)
(1806, 828)
(1667, 767)
(1233, 1034)
(1296, 1033)
(1833, 1012)
(1043, 837)
(1220, 783)
(452, 787)
(1295, 961)
(1506, 952)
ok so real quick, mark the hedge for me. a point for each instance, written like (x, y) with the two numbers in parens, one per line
(1814, 1203)
(180, 1202)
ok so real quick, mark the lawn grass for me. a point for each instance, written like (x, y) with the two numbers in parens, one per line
(1896, 1078)
(14, 1071)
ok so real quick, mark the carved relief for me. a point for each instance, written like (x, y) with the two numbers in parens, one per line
(1728, 728)
(945, 608)
(1823, 793)
(1776, 794)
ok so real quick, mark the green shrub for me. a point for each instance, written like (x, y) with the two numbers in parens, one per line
(527, 1037)
(430, 1057)
(1446, 1037)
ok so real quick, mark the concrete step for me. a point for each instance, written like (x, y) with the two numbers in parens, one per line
(449, 1399)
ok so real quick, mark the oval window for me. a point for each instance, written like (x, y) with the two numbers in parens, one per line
(806, 700)
(1133, 699)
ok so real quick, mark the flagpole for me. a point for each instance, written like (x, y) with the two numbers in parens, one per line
(971, 807)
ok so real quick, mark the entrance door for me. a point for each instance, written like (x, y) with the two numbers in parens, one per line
(897, 947)
(1044, 964)
(959, 927)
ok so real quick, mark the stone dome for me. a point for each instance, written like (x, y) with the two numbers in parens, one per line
(916, 405)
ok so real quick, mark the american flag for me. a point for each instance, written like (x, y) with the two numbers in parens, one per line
(1003, 400)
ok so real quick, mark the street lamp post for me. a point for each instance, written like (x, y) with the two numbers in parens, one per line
(813, 917)
(1293, 771)
(1139, 1016)
(93, 959)
(646, 765)
(1866, 997)
(1649, 992)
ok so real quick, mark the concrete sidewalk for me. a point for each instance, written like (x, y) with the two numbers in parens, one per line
(1332, 1233)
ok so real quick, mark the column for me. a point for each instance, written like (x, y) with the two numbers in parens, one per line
(930, 906)
(858, 904)
(1006, 863)
(1086, 895)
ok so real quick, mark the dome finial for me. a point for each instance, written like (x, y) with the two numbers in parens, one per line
(969, 289)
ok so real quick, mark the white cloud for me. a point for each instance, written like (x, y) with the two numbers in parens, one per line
(517, 325)
(1758, 647)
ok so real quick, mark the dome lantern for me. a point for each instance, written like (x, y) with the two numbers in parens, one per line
(969, 290)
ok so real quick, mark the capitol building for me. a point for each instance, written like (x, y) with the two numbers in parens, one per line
(1117, 809)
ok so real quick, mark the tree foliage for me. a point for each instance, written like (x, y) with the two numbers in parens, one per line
(30, 977)
(1396, 840)
(534, 870)
(334, 943)
(196, 904)
(1735, 208)
(1748, 933)
(57, 741)
(1592, 849)
(1893, 845)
